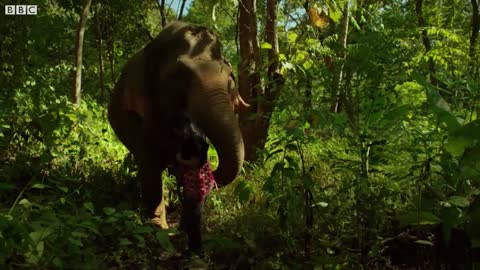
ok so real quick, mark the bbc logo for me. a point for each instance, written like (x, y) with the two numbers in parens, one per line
(20, 9)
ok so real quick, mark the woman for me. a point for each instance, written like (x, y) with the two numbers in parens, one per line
(194, 175)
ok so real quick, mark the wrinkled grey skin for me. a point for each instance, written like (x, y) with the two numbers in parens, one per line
(180, 72)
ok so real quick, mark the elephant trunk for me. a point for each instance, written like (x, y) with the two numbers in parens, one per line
(211, 110)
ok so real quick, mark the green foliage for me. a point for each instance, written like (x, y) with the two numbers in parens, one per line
(52, 180)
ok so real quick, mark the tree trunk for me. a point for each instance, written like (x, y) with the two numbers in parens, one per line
(100, 55)
(79, 52)
(111, 58)
(182, 7)
(425, 40)
(248, 75)
(337, 88)
(254, 120)
(162, 12)
(474, 35)
(307, 102)
(274, 78)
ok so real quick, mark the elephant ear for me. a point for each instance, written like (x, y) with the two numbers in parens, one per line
(235, 98)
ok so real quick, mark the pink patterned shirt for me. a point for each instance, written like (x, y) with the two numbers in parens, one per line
(197, 183)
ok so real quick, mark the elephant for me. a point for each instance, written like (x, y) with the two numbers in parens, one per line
(180, 72)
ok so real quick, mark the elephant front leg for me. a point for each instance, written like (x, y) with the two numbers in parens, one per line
(150, 175)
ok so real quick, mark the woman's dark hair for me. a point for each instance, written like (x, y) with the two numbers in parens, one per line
(194, 142)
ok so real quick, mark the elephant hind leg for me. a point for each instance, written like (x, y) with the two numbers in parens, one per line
(128, 128)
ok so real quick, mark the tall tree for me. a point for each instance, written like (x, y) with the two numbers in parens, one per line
(337, 89)
(254, 120)
(475, 30)
(161, 7)
(425, 39)
(79, 52)
(182, 7)
(101, 64)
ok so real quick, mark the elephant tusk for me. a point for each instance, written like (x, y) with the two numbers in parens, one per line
(242, 102)
(237, 101)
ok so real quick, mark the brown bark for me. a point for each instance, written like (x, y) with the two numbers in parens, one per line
(111, 59)
(307, 103)
(254, 120)
(162, 12)
(248, 77)
(274, 78)
(337, 88)
(79, 52)
(475, 29)
(182, 7)
(100, 54)
(425, 40)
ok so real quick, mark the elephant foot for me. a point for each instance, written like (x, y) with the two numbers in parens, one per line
(160, 222)
(160, 215)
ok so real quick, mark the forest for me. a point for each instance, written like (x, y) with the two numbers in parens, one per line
(359, 121)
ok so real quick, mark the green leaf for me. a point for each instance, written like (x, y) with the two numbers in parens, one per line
(396, 113)
(277, 168)
(244, 191)
(292, 147)
(273, 153)
(438, 105)
(463, 137)
(322, 204)
(291, 37)
(266, 45)
(40, 186)
(140, 240)
(76, 242)
(308, 181)
(289, 173)
(335, 15)
(34, 255)
(459, 201)
(124, 242)
(424, 242)
(88, 224)
(63, 188)
(354, 23)
(143, 230)
(269, 185)
(7, 186)
(57, 262)
(79, 234)
(421, 218)
(40, 234)
(109, 211)
(24, 202)
(89, 206)
(164, 240)
(470, 162)
(214, 9)
(291, 162)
